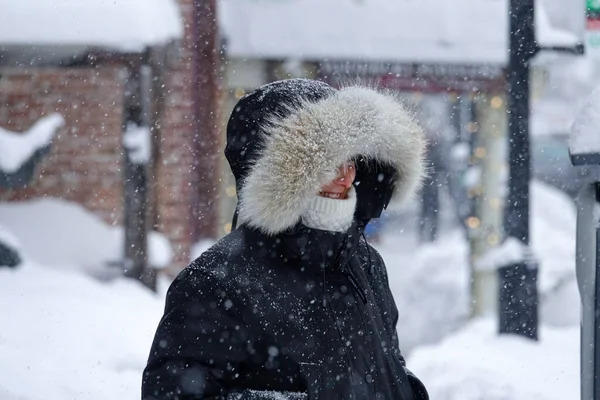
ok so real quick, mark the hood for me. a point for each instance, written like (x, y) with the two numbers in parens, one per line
(287, 139)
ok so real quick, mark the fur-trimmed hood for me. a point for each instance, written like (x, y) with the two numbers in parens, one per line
(289, 147)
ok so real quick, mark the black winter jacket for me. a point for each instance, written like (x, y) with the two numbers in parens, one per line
(275, 307)
(309, 311)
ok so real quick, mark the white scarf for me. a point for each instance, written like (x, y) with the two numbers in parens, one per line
(328, 214)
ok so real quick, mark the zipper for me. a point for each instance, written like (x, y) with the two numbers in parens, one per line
(349, 274)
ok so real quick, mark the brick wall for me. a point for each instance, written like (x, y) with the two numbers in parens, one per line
(84, 164)
(186, 175)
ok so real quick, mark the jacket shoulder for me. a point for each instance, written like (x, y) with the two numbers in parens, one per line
(218, 268)
(227, 251)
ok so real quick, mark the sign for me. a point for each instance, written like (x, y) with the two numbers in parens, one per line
(592, 28)
(432, 78)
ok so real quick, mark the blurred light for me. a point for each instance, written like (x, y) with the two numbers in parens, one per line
(496, 102)
(453, 97)
(480, 152)
(239, 93)
(472, 127)
(495, 203)
(493, 239)
(473, 222)
(227, 227)
(230, 191)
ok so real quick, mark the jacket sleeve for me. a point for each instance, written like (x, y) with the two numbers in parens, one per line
(199, 343)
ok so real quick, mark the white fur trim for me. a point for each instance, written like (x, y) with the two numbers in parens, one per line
(327, 214)
(303, 151)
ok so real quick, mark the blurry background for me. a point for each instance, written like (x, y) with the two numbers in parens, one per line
(112, 125)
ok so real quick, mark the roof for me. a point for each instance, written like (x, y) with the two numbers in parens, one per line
(120, 25)
(425, 31)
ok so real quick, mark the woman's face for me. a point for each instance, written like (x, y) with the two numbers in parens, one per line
(339, 187)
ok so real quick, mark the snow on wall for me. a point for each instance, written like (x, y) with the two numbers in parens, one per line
(127, 25)
(461, 31)
(17, 148)
(585, 135)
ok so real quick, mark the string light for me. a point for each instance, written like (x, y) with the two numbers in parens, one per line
(496, 102)
(230, 191)
(239, 93)
(473, 222)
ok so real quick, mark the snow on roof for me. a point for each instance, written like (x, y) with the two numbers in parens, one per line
(17, 148)
(427, 31)
(585, 135)
(125, 25)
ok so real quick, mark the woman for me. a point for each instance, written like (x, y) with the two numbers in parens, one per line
(294, 301)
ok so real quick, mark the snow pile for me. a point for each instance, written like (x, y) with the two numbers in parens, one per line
(127, 25)
(8, 238)
(585, 136)
(67, 336)
(430, 286)
(477, 364)
(552, 116)
(553, 227)
(511, 251)
(17, 148)
(63, 234)
(138, 140)
(431, 283)
(459, 31)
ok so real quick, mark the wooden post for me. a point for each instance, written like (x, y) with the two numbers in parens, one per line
(205, 182)
(137, 113)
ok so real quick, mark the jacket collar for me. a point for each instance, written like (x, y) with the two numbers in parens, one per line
(313, 248)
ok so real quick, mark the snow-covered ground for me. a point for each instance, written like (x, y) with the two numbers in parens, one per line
(477, 364)
(66, 334)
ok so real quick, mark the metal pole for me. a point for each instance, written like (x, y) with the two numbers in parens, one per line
(587, 280)
(518, 311)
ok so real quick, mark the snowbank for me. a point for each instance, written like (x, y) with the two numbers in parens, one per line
(585, 136)
(67, 336)
(509, 252)
(477, 364)
(63, 234)
(8, 238)
(127, 25)
(17, 148)
(458, 31)
(431, 284)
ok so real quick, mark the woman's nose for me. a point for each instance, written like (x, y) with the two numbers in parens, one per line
(346, 176)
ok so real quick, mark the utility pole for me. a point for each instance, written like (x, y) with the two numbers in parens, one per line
(518, 302)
